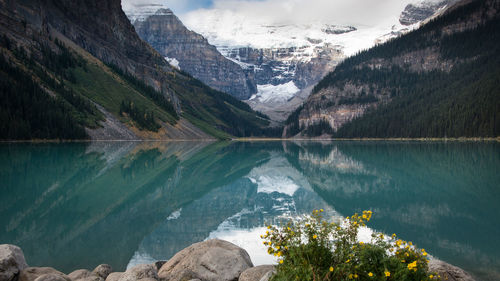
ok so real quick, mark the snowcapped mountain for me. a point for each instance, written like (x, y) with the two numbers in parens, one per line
(288, 58)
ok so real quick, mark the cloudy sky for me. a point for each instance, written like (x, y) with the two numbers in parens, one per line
(357, 11)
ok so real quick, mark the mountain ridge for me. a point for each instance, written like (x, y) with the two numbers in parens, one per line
(88, 58)
(437, 81)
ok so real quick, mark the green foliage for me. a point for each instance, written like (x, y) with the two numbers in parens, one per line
(145, 119)
(148, 91)
(315, 249)
(28, 112)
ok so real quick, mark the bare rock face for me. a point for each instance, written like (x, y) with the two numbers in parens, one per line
(212, 260)
(32, 273)
(448, 271)
(50, 277)
(192, 53)
(414, 13)
(139, 272)
(103, 270)
(84, 275)
(258, 273)
(115, 276)
(11, 262)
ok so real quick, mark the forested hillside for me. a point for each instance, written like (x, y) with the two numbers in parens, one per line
(78, 70)
(442, 80)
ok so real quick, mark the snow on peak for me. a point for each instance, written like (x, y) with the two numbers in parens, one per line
(173, 62)
(277, 94)
(140, 11)
(225, 27)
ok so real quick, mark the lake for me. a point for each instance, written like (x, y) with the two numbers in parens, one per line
(77, 205)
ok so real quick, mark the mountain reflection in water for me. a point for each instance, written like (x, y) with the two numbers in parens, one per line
(76, 205)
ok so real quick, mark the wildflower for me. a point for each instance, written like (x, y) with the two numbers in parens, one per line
(370, 274)
(365, 217)
(315, 236)
(331, 268)
(412, 266)
(281, 261)
(347, 261)
(355, 275)
(387, 273)
(321, 210)
(431, 276)
(350, 276)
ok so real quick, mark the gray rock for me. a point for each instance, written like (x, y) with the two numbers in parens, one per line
(258, 273)
(103, 270)
(32, 273)
(159, 264)
(115, 276)
(140, 272)
(212, 260)
(50, 277)
(11, 262)
(449, 272)
(84, 275)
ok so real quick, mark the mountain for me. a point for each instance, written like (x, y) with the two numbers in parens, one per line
(75, 70)
(290, 56)
(441, 80)
(192, 53)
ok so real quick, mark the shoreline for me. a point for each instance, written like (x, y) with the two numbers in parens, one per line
(252, 139)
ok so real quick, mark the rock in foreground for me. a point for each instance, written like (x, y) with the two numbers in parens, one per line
(258, 273)
(212, 260)
(11, 262)
(449, 272)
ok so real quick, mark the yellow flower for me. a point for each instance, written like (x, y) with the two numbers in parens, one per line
(277, 247)
(321, 210)
(370, 274)
(364, 216)
(331, 268)
(281, 261)
(355, 275)
(431, 276)
(347, 261)
(387, 274)
(315, 236)
(361, 243)
(424, 254)
(268, 227)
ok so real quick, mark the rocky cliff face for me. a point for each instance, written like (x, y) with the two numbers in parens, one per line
(90, 52)
(192, 53)
(414, 13)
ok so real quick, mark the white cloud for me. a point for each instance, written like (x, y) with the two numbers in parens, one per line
(356, 12)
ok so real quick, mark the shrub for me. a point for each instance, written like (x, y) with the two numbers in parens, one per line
(316, 249)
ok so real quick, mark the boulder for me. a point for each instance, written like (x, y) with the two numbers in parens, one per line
(258, 273)
(449, 272)
(140, 272)
(11, 262)
(50, 277)
(103, 270)
(84, 275)
(212, 260)
(159, 264)
(32, 273)
(115, 276)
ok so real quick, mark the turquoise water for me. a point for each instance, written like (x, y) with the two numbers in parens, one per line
(78, 205)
